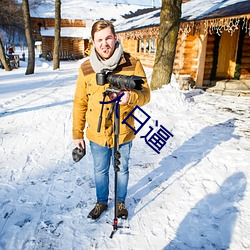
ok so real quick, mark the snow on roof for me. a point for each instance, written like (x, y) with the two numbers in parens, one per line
(192, 10)
(145, 20)
(79, 32)
(85, 10)
(197, 9)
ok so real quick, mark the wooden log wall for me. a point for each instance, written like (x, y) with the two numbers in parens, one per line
(131, 46)
(73, 45)
(50, 22)
(185, 59)
(79, 46)
(209, 57)
(146, 59)
(66, 44)
(47, 45)
(190, 56)
(178, 61)
(186, 55)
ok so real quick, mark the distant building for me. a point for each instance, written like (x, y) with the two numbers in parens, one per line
(213, 41)
(77, 19)
(75, 36)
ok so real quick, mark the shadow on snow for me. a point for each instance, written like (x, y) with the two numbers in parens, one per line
(23, 110)
(210, 223)
(189, 155)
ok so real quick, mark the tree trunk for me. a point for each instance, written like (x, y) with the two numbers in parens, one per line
(168, 34)
(3, 57)
(29, 38)
(56, 59)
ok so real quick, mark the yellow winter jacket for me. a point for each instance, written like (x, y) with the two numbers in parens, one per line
(87, 107)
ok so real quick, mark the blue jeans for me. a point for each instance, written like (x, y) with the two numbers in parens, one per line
(102, 158)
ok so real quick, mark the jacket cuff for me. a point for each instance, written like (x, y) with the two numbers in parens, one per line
(77, 135)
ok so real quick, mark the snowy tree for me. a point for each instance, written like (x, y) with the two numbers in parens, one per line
(168, 34)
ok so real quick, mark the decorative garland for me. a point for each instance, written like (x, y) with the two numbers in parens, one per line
(229, 24)
(140, 33)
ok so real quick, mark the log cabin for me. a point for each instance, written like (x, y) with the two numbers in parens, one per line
(74, 37)
(213, 41)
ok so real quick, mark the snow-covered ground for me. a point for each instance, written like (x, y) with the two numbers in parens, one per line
(193, 195)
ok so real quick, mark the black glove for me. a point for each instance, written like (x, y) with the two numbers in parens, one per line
(78, 153)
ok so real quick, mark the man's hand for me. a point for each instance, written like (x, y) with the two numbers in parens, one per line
(79, 143)
(79, 151)
(125, 98)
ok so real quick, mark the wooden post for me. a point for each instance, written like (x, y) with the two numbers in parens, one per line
(201, 60)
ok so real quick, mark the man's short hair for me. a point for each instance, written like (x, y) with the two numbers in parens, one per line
(101, 24)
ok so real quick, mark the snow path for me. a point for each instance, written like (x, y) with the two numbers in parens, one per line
(193, 195)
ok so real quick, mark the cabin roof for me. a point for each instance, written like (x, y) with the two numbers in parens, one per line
(193, 10)
(140, 21)
(208, 9)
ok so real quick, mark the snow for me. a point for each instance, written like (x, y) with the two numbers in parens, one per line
(86, 10)
(193, 195)
(196, 9)
(145, 20)
(84, 33)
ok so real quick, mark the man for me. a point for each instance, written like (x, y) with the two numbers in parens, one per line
(107, 54)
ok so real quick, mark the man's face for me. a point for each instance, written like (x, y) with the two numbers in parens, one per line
(104, 42)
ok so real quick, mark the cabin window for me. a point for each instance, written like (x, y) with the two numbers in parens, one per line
(140, 45)
(152, 45)
(146, 45)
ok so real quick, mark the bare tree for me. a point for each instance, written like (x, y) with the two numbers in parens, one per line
(56, 59)
(168, 34)
(28, 33)
(11, 24)
(11, 17)
(36, 3)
